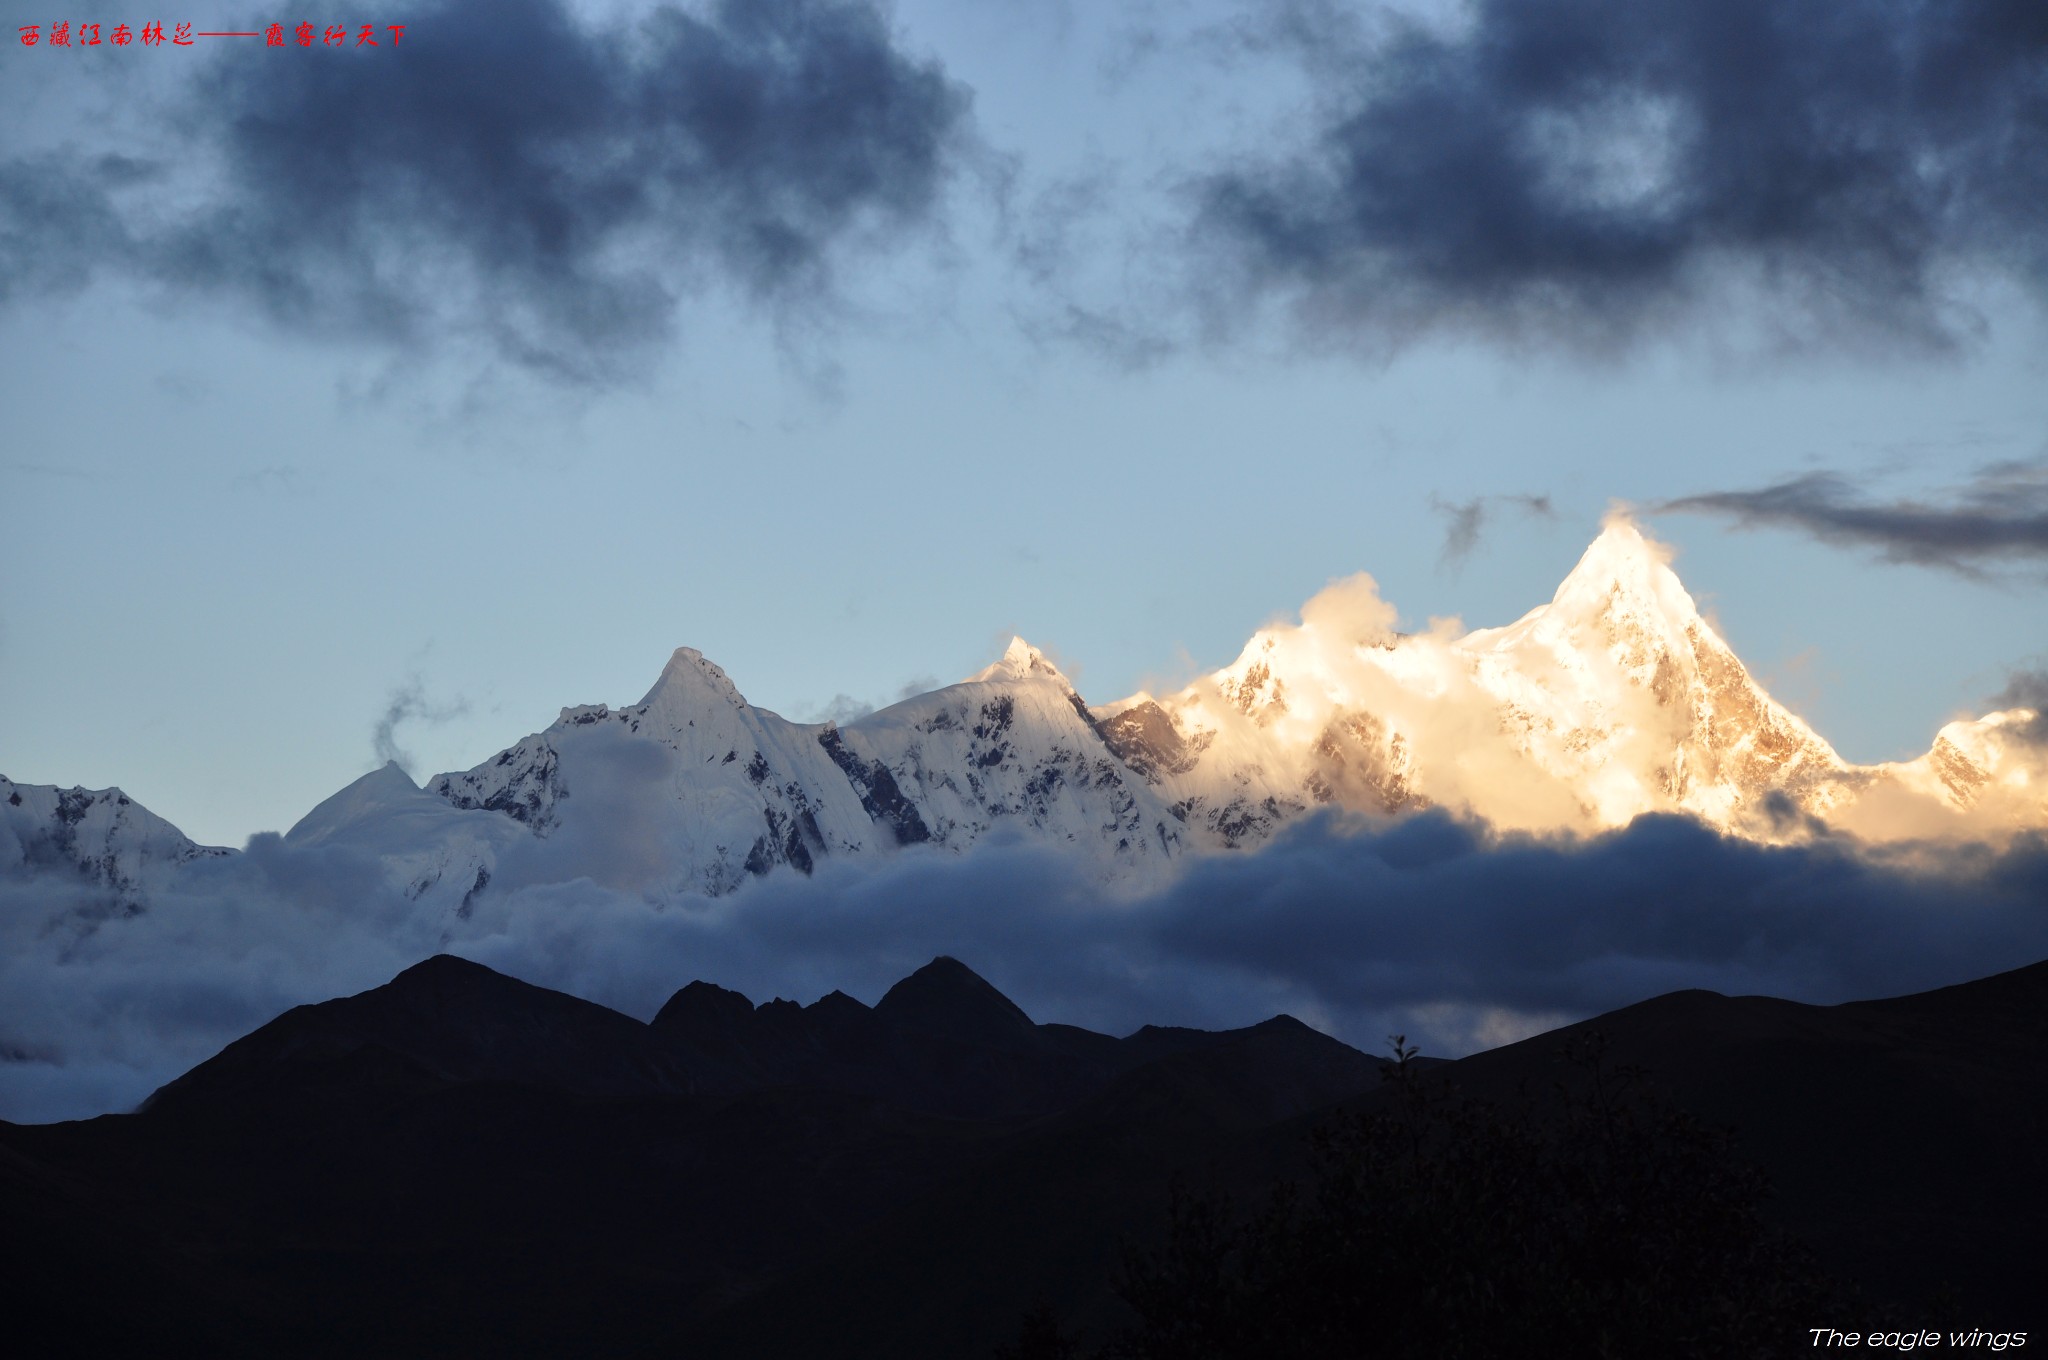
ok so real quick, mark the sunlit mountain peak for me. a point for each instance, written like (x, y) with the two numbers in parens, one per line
(1021, 661)
(1612, 700)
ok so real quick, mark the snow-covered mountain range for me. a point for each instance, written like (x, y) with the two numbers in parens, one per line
(1614, 699)
(101, 836)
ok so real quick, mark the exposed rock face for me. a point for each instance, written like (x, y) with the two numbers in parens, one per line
(695, 790)
(1360, 764)
(1614, 699)
(524, 782)
(1993, 769)
(1145, 738)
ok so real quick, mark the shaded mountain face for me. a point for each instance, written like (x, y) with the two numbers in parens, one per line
(1614, 699)
(440, 1023)
(460, 1164)
(946, 997)
(1901, 1137)
(942, 1041)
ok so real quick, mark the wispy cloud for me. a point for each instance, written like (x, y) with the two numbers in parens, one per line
(409, 704)
(2027, 689)
(1998, 518)
(1464, 520)
(278, 477)
(843, 708)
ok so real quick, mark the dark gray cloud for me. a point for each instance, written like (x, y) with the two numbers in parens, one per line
(515, 174)
(1434, 910)
(1999, 518)
(1465, 520)
(1558, 169)
(57, 222)
(1428, 926)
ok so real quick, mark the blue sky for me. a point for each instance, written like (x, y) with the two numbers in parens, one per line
(1125, 332)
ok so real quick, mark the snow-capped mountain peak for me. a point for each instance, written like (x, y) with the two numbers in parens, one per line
(1622, 597)
(1624, 561)
(1021, 661)
(386, 787)
(103, 836)
(1621, 688)
(691, 678)
(1613, 699)
(1990, 770)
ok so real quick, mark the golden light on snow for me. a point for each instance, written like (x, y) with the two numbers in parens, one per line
(1614, 699)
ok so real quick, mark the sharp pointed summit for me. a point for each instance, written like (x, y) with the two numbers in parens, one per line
(1612, 699)
(1623, 571)
(688, 677)
(949, 997)
(1624, 690)
(1022, 661)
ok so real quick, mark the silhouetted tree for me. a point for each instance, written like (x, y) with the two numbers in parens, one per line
(1603, 1224)
(1039, 1337)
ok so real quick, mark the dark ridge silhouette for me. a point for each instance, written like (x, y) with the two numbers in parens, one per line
(948, 997)
(458, 1163)
(941, 1041)
(1044, 1215)
(442, 1021)
(1902, 1135)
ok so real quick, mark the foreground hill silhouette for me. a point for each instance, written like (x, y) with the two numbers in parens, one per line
(458, 1163)
(1905, 1137)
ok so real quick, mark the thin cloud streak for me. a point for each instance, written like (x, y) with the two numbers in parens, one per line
(1465, 520)
(1999, 518)
(409, 704)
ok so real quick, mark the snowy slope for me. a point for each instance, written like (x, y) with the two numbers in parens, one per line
(693, 789)
(1613, 699)
(1016, 746)
(1621, 689)
(100, 835)
(1991, 771)
(431, 849)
